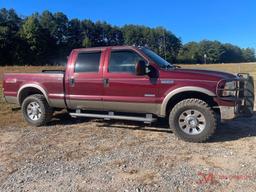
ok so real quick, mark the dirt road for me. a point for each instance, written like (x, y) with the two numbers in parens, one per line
(95, 155)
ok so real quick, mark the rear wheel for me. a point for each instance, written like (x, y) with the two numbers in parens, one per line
(36, 110)
(193, 120)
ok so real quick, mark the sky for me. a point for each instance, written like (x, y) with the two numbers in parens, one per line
(228, 21)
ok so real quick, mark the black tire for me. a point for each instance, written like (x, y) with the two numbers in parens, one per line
(46, 110)
(209, 124)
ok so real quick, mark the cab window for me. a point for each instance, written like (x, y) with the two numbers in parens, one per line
(88, 62)
(123, 61)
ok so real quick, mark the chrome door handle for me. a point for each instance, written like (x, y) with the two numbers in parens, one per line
(72, 82)
(106, 82)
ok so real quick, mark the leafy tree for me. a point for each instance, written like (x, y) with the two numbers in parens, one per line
(213, 50)
(232, 54)
(133, 35)
(55, 28)
(170, 45)
(74, 34)
(189, 53)
(158, 39)
(248, 55)
(105, 35)
(88, 30)
(37, 40)
(9, 27)
(86, 42)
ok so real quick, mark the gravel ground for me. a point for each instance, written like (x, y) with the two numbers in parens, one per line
(96, 155)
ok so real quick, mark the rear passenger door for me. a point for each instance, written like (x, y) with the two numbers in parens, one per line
(85, 87)
(123, 89)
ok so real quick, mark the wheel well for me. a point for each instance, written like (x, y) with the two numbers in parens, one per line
(27, 92)
(191, 94)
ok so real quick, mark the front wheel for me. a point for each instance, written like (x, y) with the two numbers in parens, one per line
(193, 120)
(36, 110)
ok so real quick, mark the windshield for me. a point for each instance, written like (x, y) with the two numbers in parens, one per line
(156, 58)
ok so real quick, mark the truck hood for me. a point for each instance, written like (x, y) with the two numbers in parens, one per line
(197, 74)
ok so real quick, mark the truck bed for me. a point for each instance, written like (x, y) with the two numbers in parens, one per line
(51, 83)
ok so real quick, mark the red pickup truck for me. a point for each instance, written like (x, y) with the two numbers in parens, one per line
(133, 83)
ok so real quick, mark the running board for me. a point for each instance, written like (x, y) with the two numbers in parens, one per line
(148, 119)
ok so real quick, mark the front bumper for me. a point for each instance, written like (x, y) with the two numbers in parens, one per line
(243, 100)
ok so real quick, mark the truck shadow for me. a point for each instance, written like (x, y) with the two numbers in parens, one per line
(235, 129)
(228, 131)
(160, 126)
(63, 118)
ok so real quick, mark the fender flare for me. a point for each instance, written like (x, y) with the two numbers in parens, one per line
(31, 85)
(180, 90)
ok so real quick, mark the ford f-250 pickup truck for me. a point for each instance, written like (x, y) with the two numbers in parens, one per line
(133, 83)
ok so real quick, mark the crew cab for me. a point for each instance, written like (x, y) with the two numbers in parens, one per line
(133, 83)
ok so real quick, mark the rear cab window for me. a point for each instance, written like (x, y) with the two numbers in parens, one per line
(88, 62)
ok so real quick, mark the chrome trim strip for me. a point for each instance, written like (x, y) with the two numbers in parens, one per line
(74, 97)
(149, 95)
(56, 95)
(123, 117)
(180, 90)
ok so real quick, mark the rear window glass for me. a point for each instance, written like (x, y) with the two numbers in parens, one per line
(88, 62)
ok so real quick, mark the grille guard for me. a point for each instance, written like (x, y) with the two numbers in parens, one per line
(244, 94)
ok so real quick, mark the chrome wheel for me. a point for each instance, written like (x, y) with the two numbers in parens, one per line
(34, 111)
(192, 122)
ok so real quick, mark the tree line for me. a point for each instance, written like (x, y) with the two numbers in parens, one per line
(214, 52)
(47, 39)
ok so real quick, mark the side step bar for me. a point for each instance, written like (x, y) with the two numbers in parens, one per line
(148, 119)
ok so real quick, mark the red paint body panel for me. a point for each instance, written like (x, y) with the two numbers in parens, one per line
(127, 87)
(87, 86)
(123, 87)
(51, 83)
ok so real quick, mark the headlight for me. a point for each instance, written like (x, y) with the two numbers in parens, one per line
(229, 89)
